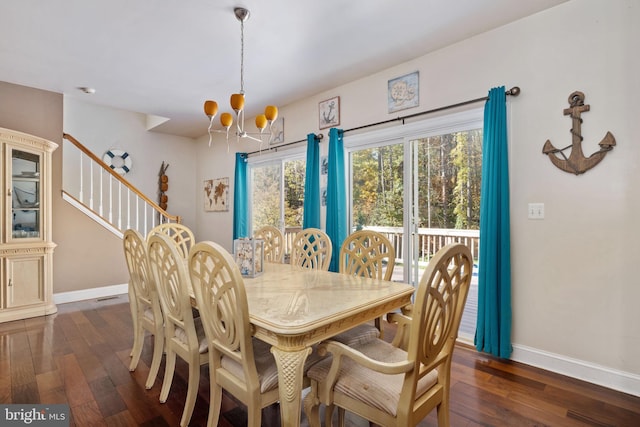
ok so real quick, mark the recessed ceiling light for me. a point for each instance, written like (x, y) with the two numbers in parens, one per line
(89, 90)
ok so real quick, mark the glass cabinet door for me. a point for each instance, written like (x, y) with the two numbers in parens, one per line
(25, 195)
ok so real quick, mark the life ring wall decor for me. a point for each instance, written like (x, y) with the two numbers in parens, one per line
(118, 160)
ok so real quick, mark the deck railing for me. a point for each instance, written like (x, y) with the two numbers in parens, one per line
(430, 240)
(92, 186)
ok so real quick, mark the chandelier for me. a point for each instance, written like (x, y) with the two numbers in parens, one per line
(263, 121)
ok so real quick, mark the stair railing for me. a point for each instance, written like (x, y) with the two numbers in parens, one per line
(92, 186)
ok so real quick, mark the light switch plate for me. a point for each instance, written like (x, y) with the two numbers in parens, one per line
(536, 211)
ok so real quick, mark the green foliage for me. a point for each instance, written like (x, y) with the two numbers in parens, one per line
(449, 171)
(266, 186)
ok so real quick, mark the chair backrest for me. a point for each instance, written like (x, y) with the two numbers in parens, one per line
(436, 313)
(311, 249)
(181, 236)
(273, 243)
(367, 253)
(172, 280)
(140, 276)
(218, 285)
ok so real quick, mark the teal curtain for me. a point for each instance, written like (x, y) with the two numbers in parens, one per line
(336, 196)
(241, 198)
(311, 208)
(493, 330)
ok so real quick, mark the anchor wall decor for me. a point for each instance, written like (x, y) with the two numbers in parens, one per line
(577, 163)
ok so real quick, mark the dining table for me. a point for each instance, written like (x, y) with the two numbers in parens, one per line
(293, 309)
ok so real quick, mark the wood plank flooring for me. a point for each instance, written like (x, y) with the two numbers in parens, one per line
(80, 356)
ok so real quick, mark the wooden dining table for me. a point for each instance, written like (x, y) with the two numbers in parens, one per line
(293, 308)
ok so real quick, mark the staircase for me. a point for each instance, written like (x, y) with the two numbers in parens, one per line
(92, 186)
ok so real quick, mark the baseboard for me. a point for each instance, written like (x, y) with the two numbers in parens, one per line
(93, 293)
(625, 382)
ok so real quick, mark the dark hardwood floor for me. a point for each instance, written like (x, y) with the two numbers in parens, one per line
(80, 356)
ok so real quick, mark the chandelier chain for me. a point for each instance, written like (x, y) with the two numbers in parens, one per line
(242, 56)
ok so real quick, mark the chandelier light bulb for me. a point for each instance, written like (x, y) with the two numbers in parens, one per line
(226, 120)
(211, 109)
(271, 112)
(237, 102)
(261, 122)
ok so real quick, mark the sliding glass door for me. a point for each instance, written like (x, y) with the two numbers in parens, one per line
(420, 186)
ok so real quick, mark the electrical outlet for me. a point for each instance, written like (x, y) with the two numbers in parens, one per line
(536, 211)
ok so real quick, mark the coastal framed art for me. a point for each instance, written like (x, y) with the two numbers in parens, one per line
(277, 130)
(403, 92)
(216, 195)
(329, 113)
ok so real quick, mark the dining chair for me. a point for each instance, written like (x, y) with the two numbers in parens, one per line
(390, 386)
(145, 303)
(365, 253)
(311, 249)
(238, 363)
(184, 335)
(180, 234)
(273, 243)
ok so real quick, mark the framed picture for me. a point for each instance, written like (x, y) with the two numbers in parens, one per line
(329, 113)
(278, 131)
(403, 92)
(216, 195)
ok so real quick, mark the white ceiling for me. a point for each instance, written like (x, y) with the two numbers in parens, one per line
(165, 57)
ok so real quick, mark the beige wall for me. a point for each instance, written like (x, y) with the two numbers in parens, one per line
(575, 289)
(85, 257)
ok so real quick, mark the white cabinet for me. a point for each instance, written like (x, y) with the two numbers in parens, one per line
(26, 249)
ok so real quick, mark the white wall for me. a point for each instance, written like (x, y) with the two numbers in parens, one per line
(101, 128)
(575, 290)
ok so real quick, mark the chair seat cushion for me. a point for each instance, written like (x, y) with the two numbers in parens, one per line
(378, 390)
(203, 347)
(358, 335)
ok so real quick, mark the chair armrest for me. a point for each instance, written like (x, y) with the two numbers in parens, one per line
(339, 350)
(401, 339)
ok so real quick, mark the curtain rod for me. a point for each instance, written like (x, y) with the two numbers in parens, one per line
(514, 91)
(318, 137)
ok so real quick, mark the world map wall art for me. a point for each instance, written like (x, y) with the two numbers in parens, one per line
(216, 195)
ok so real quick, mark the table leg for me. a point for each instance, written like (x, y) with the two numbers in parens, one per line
(290, 379)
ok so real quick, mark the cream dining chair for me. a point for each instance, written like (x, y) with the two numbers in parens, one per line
(273, 243)
(238, 363)
(365, 253)
(390, 386)
(311, 249)
(183, 333)
(145, 303)
(181, 236)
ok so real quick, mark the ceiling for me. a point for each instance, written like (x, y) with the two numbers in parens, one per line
(165, 57)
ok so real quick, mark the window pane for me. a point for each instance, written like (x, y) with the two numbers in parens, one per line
(448, 197)
(266, 196)
(294, 174)
(378, 187)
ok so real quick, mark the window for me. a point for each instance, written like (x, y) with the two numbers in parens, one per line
(277, 194)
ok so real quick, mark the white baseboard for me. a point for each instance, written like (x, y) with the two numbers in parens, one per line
(625, 382)
(93, 293)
